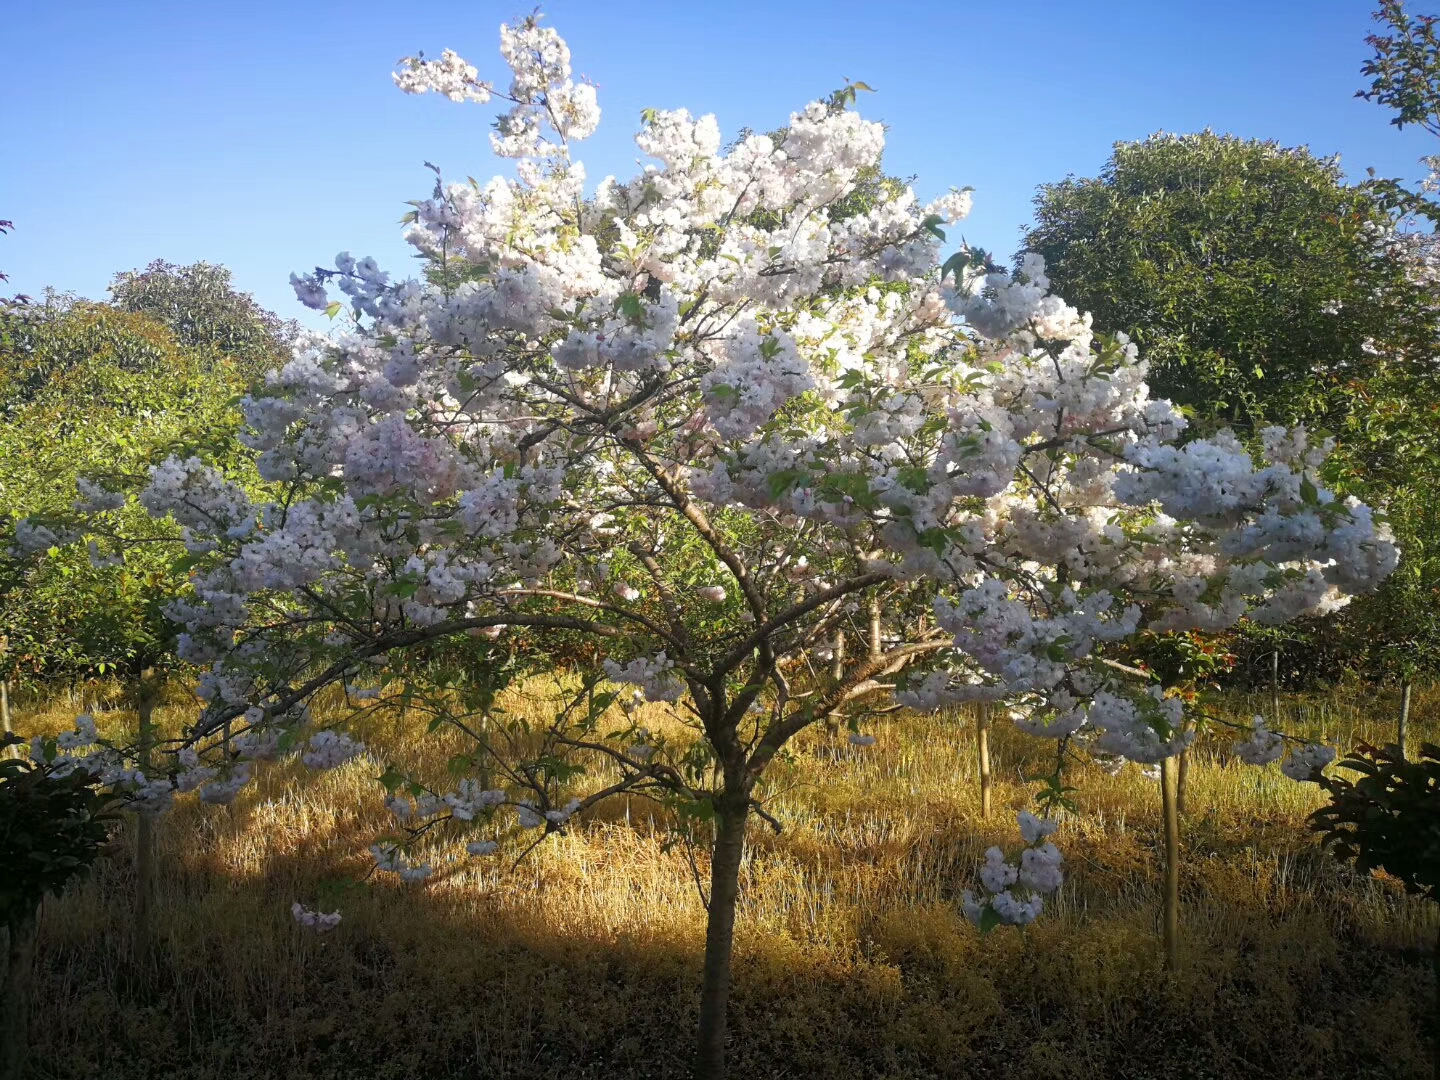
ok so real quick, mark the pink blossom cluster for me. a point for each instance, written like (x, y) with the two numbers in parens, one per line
(319, 921)
(1013, 894)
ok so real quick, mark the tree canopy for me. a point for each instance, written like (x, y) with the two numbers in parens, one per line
(700, 418)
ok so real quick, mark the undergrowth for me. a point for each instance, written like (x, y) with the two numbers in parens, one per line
(851, 961)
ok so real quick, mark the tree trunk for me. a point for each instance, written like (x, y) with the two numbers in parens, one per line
(19, 973)
(982, 745)
(144, 826)
(1402, 723)
(720, 934)
(1169, 777)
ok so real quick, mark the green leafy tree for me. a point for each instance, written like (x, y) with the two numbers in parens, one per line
(1402, 621)
(1405, 68)
(1394, 634)
(1264, 290)
(89, 391)
(203, 310)
(1260, 287)
(91, 396)
(6, 226)
(1404, 74)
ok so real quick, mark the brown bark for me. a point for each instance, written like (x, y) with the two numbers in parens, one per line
(731, 815)
(1169, 777)
(877, 647)
(1182, 783)
(19, 973)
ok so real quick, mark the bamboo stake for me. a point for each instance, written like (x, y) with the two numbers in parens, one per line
(5, 715)
(982, 742)
(144, 827)
(1169, 776)
(1403, 722)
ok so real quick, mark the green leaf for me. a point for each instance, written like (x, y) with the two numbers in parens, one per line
(184, 563)
(851, 486)
(694, 809)
(936, 539)
(786, 479)
(630, 305)
(915, 478)
(405, 587)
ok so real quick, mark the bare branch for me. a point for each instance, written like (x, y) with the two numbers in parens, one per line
(282, 701)
(861, 680)
(702, 525)
(600, 605)
(761, 633)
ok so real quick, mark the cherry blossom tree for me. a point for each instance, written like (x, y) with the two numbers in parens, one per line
(696, 419)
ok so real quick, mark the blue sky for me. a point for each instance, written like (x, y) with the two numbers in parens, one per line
(267, 136)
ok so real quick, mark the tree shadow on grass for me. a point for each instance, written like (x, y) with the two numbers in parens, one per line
(472, 979)
(851, 958)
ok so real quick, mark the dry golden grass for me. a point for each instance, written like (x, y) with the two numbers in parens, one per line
(851, 958)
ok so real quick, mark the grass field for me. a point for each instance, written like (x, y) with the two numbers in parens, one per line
(851, 957)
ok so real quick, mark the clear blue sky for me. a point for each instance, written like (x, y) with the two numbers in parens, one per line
(267, 136)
